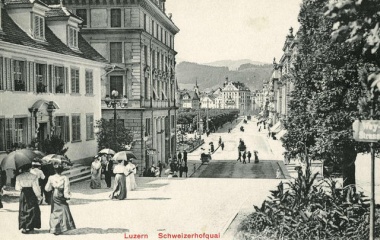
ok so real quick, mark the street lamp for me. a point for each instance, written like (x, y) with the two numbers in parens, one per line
(115, 102)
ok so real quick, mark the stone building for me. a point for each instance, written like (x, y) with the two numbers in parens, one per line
(137, 37)
(49, 78)
(235, 95)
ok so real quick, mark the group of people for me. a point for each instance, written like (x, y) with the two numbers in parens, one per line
(124, 175)
(242, 153)
(27, 182)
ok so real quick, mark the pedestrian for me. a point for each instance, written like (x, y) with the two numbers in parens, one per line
(29, 216)
(229, 130)
(129, 172)
(220, 140)
(179, 156)
(61, 219)
(256, 157)
(160, 167)
(3, 181)
(222, 145)
(40, 175)
(269, 133)
(249, 155)
(185, 156)
(119, 187)
(260, 128)
(108, 172)
(212, 147)
(185, 169)
(96, 171)
(48, 171)
(244, 157)
(152, 171)
(181, 170)
(278, 173)
(239, 158)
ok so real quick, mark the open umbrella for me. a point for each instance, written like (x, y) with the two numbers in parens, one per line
(56, 159)
(123, 155)
(2, 156)
(39, 153)
(17, 159)
(107, 151)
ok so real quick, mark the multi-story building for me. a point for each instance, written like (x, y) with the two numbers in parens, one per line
(137, 37)
(49, 78)
(235, 95)
(190, 99)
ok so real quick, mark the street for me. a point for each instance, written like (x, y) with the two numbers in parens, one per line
(183, 205)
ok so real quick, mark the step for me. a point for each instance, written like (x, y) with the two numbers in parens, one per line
(78, 173)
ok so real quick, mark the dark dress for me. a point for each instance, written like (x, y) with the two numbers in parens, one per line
(29, 211)
(120, 187)
(61, 219)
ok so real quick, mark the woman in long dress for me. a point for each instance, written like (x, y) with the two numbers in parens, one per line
(96, 171)
(130, 171)
(29, 216)
(61, 219)
(119, 188)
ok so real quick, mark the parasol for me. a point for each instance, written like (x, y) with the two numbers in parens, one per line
(123, 155)
(107, 151)
(17, 159)
(56, 159)
(39, 154)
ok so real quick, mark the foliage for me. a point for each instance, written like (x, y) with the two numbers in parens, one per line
(108, 139)
(327, 93)
(301, 209)
(53, 145)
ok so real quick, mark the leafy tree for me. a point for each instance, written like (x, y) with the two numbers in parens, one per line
(108, 139)
(325, 100)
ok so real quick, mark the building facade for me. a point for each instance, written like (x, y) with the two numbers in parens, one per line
(235, 95)
(49, 79)
(137, 37)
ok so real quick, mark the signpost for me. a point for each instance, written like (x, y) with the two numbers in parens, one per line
(369, 131)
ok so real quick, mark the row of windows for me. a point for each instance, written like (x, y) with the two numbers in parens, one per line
(38, 26)
(17, 130)
(152, 27)
(20, 75)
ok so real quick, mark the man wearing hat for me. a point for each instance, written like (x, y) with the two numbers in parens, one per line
(40, 175)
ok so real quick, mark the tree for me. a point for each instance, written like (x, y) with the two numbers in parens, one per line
(107, 139)
(325, 100)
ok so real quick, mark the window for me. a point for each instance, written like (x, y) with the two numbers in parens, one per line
(162, 33)
(20, 130)
(41, 78)
(147, 127)
(82, 13)
(154, 59)
(74, 80)
(152, 28)
(157, 28)
(62, 128)
(171, 41)
(116, 52)
(145, 22)
(89, 126)
(59, 79)
(73, 37)
(89, 82)
(19, 75)
(146, 55)
(115, 17)
(116, 83)
(39, 27)
(75, 128)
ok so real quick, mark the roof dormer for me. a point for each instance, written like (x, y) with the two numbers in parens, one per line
(64, 24)
(29, 15)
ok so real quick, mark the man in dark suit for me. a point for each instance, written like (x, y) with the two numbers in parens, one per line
(185, 156)
(108, 172)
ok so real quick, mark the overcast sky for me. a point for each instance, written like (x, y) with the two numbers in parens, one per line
(212, 30)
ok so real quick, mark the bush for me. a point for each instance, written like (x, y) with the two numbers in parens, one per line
(309, 211)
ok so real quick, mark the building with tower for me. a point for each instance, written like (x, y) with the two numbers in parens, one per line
(137, 38)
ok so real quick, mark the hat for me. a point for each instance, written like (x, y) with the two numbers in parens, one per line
(36, 163)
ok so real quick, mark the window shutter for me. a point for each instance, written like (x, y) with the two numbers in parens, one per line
(41, 27)
(66, 80)
(9, 123)
(53, 79)
(48, 76)
(1, 74)
(67, 129)
(72, 80)
(87, 82)
(36, 26)
(87, 127)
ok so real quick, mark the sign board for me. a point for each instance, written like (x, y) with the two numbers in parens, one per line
(366, 130)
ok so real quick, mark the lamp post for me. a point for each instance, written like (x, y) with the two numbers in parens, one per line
(114, 102)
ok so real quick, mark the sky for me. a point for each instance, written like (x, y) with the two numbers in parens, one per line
(212, 30)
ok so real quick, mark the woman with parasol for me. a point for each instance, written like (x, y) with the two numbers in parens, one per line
(130, 171)
(119, 189)
(61, 219)
(96, 171)
(29, 210)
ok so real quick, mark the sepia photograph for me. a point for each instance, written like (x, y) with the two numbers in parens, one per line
(189, 119)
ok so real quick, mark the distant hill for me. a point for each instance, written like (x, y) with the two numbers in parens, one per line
(232, 64)
(213, 77)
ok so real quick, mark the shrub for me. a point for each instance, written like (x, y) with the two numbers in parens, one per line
(305, 210)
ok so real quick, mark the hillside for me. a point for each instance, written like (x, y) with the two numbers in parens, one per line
(232, 64)
(212, 77)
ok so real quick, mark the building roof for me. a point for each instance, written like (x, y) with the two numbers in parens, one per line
(9, 2)
(12, 33)
(59, 11)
